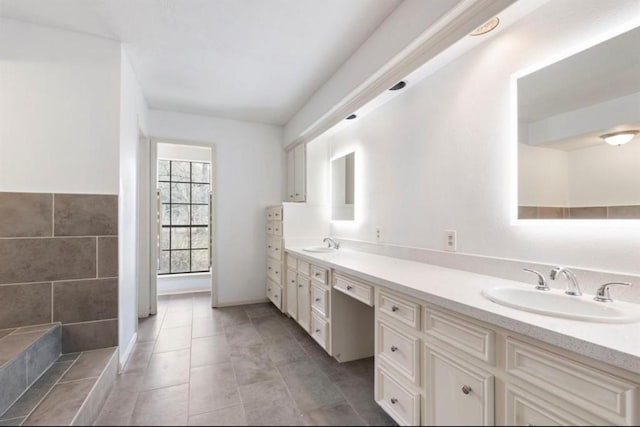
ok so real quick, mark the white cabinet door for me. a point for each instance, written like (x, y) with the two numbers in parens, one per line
(292, 294)
(304, 303)
(299, 184)
(458, 393)
(291, 192)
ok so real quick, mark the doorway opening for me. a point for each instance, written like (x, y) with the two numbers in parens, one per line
(182, 234)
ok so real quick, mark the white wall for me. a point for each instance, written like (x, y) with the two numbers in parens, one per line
(605, 176)
(442, 155)
(133, 120)
(250, 176)
(543, 176)
(59, 109)
(184, 152)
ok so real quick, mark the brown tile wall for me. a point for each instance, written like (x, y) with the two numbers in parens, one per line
(592, 212)
(59, 263)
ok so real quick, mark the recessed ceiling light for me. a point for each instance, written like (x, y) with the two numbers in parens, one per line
(619, 138)
(401, 84)
(486, 27)
(351, 117)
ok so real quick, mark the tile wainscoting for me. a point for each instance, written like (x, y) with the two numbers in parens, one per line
(59, 263)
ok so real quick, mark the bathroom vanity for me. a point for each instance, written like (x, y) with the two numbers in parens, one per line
(444, 354)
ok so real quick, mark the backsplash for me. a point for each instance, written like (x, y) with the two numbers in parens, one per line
(505, 268)
(59, 263)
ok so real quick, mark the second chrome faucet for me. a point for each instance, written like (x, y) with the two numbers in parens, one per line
(572, 281)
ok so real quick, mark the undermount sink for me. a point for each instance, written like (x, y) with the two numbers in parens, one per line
(319, 249)
(557, 304)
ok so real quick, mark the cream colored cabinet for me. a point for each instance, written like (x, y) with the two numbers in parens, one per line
(457, 393)
(296, 173)
(292, 293)
(304, 305)
(275, 287)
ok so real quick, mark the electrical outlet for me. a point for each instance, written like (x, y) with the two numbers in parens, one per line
(378, 233)
(450, 242)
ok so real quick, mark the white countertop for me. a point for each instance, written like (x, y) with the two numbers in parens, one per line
(460, 291)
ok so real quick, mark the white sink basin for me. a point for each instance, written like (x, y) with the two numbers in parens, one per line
(557, 304)
(319, 249)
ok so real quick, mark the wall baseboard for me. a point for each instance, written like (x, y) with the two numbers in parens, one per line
(246, 302)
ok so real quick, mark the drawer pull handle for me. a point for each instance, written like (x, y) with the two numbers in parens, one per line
(394, 400)
(394, 348)
(299, 286)
(317, 299)
(317, 274)
(317, 331)
(349, 287)
(466, 389)
(395, 308)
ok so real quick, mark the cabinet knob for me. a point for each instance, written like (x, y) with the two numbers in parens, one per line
(317, 299)
(317, 274)
(394, 348)
(297, 194)
(268, 268)
(317, 331)
(269, 246)
(269, 289)
(277, 249)
(393, 400)
(299, 286)
(395, 308)
(466, 389)
(349, 287)
(277, 272)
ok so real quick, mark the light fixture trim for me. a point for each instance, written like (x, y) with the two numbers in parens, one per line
(490, 25)
(619, 138)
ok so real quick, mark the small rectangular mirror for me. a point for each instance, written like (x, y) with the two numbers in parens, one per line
(568, 166)
(342, 188)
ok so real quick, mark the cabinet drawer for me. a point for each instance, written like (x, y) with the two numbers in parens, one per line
(353, 288)
(524, 409)
(407, 312)
(303, 267)
(274, 293)
(600, 393)
(274, 270)
(274, 228)
(458, 393)
(320, 300)
(320, 330)
(274, 247)
(274, 213)
(319, 274)
(396, 399)
(461, 335)
(399, 350)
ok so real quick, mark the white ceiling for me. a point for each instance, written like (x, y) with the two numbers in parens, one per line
(253, 60)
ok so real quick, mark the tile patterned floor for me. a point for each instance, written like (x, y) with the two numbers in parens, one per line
(245, 365)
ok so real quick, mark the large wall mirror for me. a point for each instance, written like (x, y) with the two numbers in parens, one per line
(342, 187)
(578, 140)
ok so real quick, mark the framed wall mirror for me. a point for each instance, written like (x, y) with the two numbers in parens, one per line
(343, 188)
(578, 140)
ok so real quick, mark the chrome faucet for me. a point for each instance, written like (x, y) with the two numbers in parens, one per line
(572, 281)
(331, 242)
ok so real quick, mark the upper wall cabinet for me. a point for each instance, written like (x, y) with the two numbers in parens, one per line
(296, 174)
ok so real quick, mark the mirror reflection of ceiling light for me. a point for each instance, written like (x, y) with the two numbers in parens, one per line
(486, 27)
(619, 138)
